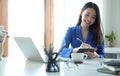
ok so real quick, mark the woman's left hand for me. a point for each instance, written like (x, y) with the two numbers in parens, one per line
(92, 55)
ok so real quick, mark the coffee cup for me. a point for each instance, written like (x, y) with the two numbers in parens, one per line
(78, 56)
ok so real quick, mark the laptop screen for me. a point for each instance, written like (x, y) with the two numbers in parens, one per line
(28, 48)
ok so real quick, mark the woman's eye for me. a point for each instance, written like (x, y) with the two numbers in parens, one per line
(87, 15)
(93, 17)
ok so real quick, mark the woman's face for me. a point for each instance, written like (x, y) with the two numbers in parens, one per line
(88, 17)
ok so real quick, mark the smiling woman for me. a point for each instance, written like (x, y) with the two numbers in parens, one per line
(65, 16)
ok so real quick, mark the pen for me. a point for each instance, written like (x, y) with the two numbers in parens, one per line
(79, 40)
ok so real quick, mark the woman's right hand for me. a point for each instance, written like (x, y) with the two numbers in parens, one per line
(75, 50)
(85, 45)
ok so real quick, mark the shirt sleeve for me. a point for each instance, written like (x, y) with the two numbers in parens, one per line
(66, 52)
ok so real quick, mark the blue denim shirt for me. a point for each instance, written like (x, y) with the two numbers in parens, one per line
(71, 42)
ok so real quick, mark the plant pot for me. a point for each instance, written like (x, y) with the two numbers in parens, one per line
(111, 44)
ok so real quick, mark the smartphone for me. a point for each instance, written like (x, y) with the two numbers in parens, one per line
(82, 50)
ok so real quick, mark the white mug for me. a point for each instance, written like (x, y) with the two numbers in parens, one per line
(78, 56)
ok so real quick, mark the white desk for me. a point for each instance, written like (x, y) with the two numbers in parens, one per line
(114, 50)
(30, 68)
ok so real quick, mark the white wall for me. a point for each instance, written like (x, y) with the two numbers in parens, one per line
(112, 19)
(115, 22)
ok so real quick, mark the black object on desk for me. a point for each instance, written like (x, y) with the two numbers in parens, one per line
(52, 65)
(82, 50)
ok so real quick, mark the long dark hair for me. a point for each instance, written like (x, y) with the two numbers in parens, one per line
(96, 27)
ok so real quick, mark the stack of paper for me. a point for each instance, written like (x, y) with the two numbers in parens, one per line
(113, 65)
(110, 66)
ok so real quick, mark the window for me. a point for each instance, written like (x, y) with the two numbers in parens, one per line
(26, 18)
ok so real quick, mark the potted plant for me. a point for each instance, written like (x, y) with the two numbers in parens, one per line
(111, 38)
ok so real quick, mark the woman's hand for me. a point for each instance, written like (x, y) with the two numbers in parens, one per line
(89, 54)
(92, 55)
(85, 45)
(75, 50)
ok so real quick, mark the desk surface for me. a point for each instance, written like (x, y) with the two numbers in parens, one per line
(29, 68)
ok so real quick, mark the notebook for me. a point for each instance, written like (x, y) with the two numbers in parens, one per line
(29, 49)
(110, 66)
(106, 70)
(113, 62)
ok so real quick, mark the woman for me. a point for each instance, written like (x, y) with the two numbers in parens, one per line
(88, 30)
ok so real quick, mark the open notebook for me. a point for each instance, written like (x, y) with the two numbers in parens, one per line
(29, 49)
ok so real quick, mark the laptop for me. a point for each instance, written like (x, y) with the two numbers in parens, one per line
(29, 49)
